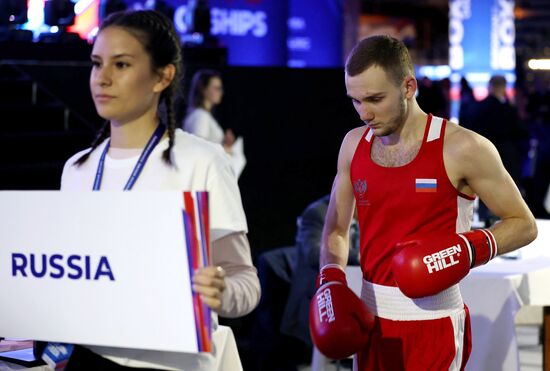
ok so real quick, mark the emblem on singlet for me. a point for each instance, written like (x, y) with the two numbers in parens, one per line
(360, 188)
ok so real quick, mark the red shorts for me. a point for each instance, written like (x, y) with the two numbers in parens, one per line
(437, 344)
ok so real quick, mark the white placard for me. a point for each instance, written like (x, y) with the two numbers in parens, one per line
(117, 269)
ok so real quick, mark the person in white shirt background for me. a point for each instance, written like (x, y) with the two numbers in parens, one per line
(205, 94)
(136, 63)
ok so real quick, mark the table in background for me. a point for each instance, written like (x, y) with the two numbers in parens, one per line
(495, 293)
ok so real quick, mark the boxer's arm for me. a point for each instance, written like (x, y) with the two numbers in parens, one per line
(335, 237)
(481, 168)
(426, 264)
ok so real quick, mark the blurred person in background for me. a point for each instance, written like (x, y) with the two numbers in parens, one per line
(205, 94)
(287, 277)
(497, 119)
(467, 103)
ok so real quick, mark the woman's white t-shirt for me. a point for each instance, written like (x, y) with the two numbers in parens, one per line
(200, 122)
(199, 166)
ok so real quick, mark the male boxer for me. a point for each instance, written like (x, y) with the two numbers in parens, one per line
(413, 178)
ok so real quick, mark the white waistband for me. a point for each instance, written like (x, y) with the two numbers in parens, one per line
(390, 303)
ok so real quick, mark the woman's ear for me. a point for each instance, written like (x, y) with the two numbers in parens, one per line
(166, 76)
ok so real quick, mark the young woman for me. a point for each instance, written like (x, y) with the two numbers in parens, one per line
(136, 62)
(205, 94)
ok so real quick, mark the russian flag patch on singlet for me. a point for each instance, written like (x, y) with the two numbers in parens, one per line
(426, 185)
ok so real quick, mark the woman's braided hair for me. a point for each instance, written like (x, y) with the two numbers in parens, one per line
(156, 33)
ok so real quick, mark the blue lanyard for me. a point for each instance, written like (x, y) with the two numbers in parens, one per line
(151, 144)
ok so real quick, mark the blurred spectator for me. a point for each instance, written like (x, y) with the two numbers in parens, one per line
(308, 245)
(205, 94)
(280, 337)
(497, 120)
(198, 17)
(445, 87)
(431, 97)
(467, 103)
(537, 169)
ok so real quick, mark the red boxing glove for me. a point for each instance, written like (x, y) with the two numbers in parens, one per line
(339, 322)
(329, 273)
(425, 264)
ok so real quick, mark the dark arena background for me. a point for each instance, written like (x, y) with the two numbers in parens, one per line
(281, 62)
